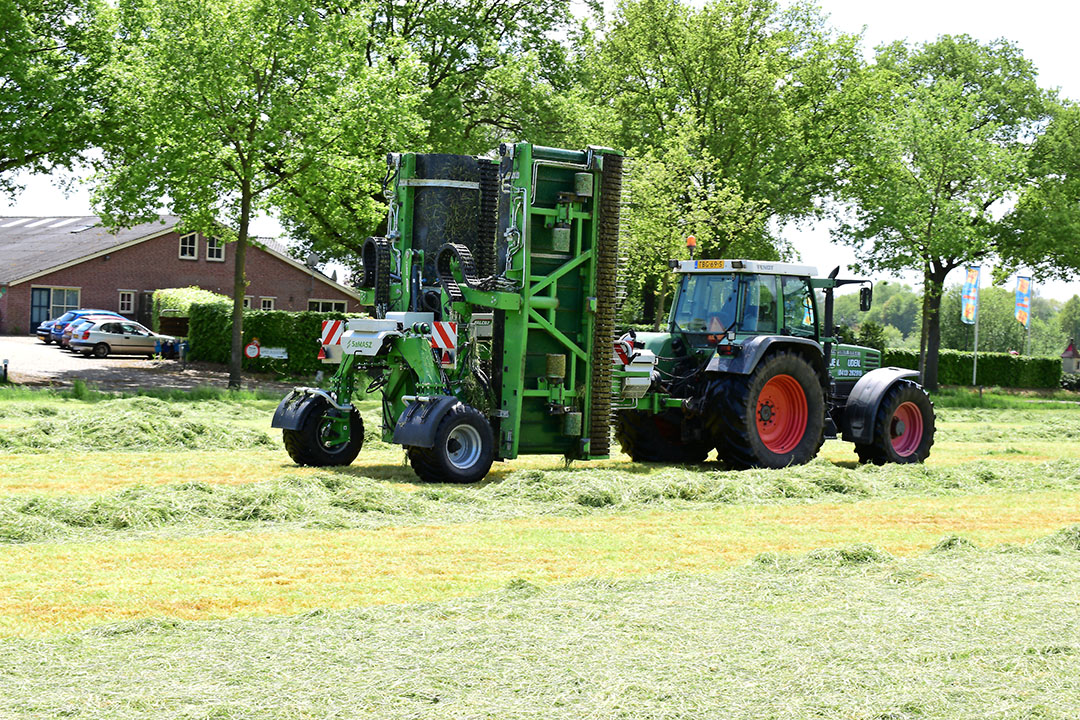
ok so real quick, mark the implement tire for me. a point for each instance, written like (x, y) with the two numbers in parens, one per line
(774, 417)
(646, 437)
(903, 427)
(463, 451)
(309, 445)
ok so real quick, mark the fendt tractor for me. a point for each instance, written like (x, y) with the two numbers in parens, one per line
(495, 291)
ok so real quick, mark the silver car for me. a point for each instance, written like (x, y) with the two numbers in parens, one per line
(119, 337)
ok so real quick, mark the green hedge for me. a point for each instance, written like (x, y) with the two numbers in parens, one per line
(1000, 369)
(210, 335)
(179, 301)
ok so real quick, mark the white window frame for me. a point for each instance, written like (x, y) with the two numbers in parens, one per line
(334, 304)
(64, 288)
(247, 301)
(120, 303)
(194, 246)
(267, 298)
(215, 250)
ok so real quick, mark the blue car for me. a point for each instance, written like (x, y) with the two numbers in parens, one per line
(56, 332)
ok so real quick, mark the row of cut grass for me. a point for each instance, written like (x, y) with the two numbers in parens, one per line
(346, 498)
(851, 632)
(48, 588)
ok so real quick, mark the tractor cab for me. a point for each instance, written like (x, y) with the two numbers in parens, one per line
(727, 301)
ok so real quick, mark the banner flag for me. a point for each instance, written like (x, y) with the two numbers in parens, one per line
(969, 304)
(1023, 301)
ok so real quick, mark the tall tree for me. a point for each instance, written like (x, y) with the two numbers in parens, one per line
(225, 100)
(489, 70)
(945, 138)
(51, 89)
(765, 90)
(1042, 229)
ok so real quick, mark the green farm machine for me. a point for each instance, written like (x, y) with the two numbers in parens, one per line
(493, 335)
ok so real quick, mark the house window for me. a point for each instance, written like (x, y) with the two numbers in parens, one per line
(326, 305)
(60, 299)
(189, 246)
(127, 302)
(266, 303)
(247, 302)
(215, 250)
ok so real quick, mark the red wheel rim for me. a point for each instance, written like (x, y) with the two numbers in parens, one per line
(906, 429)
(781, 414)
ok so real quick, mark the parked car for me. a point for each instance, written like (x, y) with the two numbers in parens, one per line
(61, 323)
(44, 330)
(78, 325)
(118, 337)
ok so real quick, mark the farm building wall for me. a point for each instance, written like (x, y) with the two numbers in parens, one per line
(156, 263)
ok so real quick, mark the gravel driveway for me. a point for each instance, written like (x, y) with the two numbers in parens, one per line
(32, 362)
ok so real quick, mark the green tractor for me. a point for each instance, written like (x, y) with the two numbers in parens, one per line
(494, 292)
(745, 369)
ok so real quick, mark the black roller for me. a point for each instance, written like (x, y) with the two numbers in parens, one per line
(488, 225)
(376, 257)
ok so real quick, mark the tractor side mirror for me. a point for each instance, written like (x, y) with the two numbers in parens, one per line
(866, 298)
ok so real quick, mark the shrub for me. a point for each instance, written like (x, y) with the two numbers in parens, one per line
(177, 302)
(210, 334)
(995, 369)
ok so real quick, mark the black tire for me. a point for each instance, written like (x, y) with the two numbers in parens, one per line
(735, 411)
(646, 437)
(463, 452)
(101, 350)
(308, 446)
(889, 445)
(46, 340)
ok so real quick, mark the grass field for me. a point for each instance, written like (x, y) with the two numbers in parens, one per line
(161, 557)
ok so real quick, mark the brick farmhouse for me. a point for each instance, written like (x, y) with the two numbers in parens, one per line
(49, 265)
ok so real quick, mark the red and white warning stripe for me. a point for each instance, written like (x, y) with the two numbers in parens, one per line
(331, 331)
(444, 335)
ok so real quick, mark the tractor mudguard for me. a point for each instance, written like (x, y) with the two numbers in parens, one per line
(753, 349)
(417, 425)
(862, 404)
(293, 410)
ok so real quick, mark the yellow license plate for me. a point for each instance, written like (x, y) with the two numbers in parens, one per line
(709, 265)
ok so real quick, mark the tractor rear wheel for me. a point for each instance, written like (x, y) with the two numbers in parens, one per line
(646, 437)
(903, 427)
(773, 417)
(316, 442)
(463, 451)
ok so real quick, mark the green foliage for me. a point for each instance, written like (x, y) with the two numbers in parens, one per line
(210, 330)
(227, 101)
(466, 76)
(995, 369)
(872, 334)
(53, 95)
(1041, 230)
(732, 112)
(177, 302)
(945, 136)
(1070, 381)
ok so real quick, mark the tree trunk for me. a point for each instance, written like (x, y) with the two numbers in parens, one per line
(661, 301)
(933, 284)
(922, 327)
(239, 287)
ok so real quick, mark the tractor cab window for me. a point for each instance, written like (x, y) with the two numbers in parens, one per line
(799, 308)
(758, 304)
(709, 306)
(706, 303)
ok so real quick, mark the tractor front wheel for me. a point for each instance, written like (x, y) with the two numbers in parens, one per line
(903, 427)
(773, 417)
(324, 439)
(463, 451)
(646, 437)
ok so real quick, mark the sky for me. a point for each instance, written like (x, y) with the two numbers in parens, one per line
(1044, 30)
